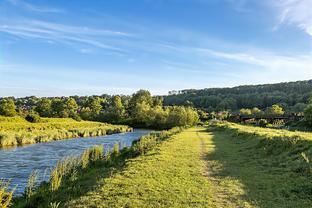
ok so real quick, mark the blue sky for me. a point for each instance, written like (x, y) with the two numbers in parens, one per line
(85, 47)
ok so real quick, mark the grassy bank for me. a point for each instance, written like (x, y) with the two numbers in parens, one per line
(73, 177)
(18, 131)
(224, 165)
(272, 166)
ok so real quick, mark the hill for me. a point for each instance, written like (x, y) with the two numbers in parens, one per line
(293, 96)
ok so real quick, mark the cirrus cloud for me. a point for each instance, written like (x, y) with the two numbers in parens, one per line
(295, 12)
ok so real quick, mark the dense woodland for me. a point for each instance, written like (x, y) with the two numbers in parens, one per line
(291, 96)
(138, 110)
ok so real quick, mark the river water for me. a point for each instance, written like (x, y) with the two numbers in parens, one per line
(16, 163)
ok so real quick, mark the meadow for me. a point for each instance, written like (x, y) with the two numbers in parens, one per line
(219, 165)
(18, 131)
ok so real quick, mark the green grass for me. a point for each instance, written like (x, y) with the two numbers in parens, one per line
(18, 131)
(169, 176)
(224, 165)
(74, 176)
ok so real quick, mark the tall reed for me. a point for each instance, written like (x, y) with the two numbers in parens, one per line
(31, 184)
(5, 195)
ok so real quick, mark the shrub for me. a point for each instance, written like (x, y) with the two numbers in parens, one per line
(263, 123)
(33, 118)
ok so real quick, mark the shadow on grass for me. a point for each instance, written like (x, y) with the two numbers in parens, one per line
(265, 179)
(73, 187)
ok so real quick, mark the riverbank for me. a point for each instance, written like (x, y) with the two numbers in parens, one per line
(208, 168)
(75, 176)
(18, 162)
(223, 165)
(17, 131)
(200, 167)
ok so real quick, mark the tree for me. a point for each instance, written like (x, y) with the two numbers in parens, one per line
(177, 116)
(64, 108)
(158, 117)
(158, 101)
(192, 116)
(140, 97)
(117, 109)
(256, 111)
(308, 114)
(7, 107)
(276, 110)
(71, 107)
(299, 108)
(245, 111)
(44, 107)
(86, 113)
(140, 113)
(95, 105)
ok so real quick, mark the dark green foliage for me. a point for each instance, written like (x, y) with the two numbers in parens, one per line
(33, 118)
(263, 123)
(44, 107)
(140, 110)
(261, 96)
(308, 114)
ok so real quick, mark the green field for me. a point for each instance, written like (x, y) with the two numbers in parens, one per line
(200, 168)
(223, 165)
(18, 131)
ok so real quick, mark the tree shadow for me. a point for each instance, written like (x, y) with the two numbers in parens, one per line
(243, 169)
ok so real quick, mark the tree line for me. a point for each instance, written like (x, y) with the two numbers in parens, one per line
(293, 97)
(139, 110)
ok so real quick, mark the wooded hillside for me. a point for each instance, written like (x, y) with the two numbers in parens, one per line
(293, 96)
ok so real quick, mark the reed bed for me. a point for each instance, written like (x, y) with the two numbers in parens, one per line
(18, 131)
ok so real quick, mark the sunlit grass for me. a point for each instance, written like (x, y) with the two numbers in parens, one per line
(225, 165)
(18, 131)
(6, 194)
(73, 175)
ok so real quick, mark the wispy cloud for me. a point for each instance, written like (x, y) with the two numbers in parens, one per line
(299, 67)
(62, 33)
(35, 8)
(295, 12)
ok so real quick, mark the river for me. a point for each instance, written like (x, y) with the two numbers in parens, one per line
(16, 163)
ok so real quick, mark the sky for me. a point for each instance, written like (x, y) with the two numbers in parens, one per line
(92, 47)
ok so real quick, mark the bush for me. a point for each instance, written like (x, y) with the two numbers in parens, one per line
(33, 118)
(263, 123)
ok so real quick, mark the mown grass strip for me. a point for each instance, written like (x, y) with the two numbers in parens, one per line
(169, 176)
